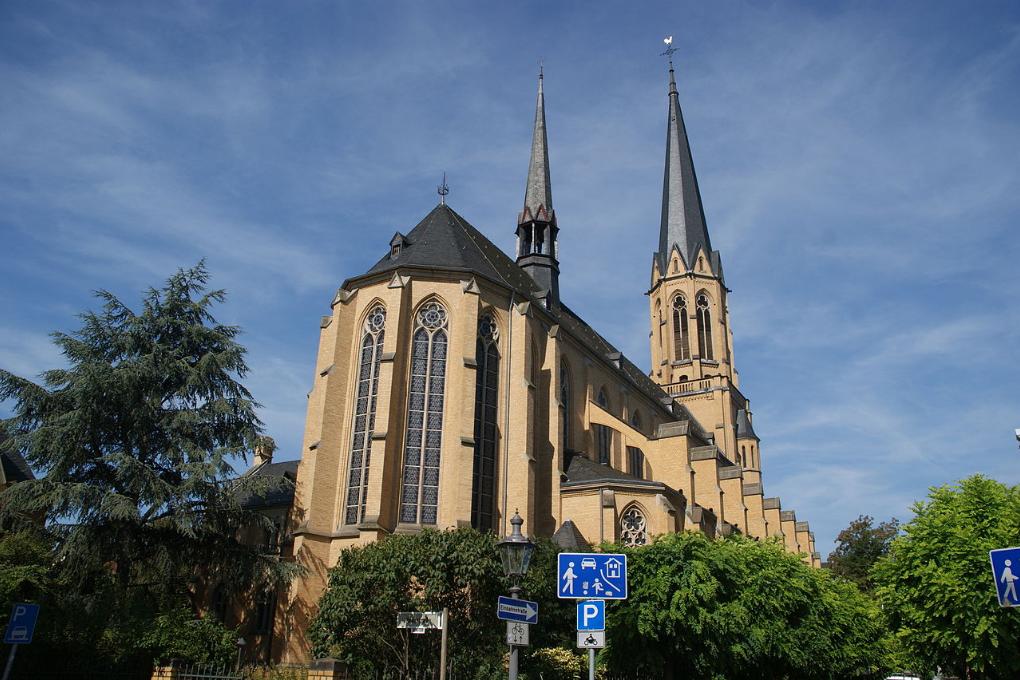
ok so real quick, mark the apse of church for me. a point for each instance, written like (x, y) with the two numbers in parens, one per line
(453, 386)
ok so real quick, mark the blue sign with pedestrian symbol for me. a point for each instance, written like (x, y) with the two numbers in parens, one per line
(1006, 572)
(591, 615)
(583, 576)
(21, 627)
(522, 611)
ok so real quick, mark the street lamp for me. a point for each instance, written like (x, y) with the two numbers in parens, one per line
(515, 550)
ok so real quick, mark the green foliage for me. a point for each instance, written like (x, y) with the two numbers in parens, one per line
(177, 634)
(738, 609)
(459, 570)
(859, 547)
(936, 584)
(24, 568)
(135, 437)
(556, 663)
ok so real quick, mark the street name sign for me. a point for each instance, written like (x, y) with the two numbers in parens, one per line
(517, 634)
(591, 615)
(509, 609)
(1006, 573)
(584, 576)
(591, 639)
(21, 625)
(420, 622)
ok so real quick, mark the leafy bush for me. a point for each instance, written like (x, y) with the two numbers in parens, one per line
(178, 635)
(736, 609)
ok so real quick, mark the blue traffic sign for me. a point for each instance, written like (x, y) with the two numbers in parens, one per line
(522, 611)
(1006, 573)
(583, 576)
(21, 626)
(591, 615)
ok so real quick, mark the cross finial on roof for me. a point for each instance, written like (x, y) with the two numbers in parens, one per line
(443, 190)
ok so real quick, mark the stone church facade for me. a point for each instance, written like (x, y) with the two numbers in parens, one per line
(453, 386)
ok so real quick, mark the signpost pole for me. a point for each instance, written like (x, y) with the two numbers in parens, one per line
(10, 662)
(442, 644)
(591, 664)
(515, 593)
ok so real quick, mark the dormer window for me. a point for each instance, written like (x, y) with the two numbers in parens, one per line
(397, 244)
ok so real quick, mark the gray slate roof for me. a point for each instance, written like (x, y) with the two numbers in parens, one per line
(281, 488)
(584, 471)
(15, 466)
(568, 536)
(445, 240)
(744, 429)
(683, 217)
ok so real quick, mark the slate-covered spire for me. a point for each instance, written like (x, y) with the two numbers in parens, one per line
(538, 193)
(683, 218)
(536, 224)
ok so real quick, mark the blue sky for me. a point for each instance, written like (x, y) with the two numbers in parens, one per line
(858, 163)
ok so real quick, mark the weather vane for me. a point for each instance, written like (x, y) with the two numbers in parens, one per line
(669, 49)
(443, 190)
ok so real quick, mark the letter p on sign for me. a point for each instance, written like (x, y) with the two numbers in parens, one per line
(591, 615)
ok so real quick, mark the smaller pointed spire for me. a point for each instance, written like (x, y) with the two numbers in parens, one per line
(538, 195)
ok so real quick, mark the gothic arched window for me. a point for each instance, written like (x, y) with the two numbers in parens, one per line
(364, 415)
(704, 327)
(419, 495)
(635, 420)
(633, 528)
(681, 337)
(601, 399)
(565, 405)
(483, 478)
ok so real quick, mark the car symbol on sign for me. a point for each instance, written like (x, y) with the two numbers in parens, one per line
(588, 563)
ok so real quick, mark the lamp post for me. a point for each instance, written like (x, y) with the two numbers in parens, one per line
(515, 550)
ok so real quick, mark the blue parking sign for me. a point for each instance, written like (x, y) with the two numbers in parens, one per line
(21, 626)
(1006, 573)
(591, 615)
(591, 576)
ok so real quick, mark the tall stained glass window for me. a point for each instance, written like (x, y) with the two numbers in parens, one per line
(704, 327)
(419, 494)
(681, 338)
(364, 415)
(483, 479)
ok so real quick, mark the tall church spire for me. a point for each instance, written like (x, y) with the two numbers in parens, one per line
(536, 224)
(538, 194)
(683, 218)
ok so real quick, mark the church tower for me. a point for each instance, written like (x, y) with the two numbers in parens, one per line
(691, 340)
(536, 224)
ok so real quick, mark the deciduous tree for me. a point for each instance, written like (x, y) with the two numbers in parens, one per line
(936, 583)
(859, 547)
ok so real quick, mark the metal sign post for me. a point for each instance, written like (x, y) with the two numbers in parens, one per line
(419, 622)
(20, 629)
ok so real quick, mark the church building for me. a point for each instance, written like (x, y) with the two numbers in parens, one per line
(454, 386)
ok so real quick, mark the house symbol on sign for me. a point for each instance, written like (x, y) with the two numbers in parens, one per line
(613, 568)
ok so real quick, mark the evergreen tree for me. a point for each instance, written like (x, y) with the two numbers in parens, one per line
(134, 440)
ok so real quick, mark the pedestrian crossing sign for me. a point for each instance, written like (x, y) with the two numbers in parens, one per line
(1006, 573)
